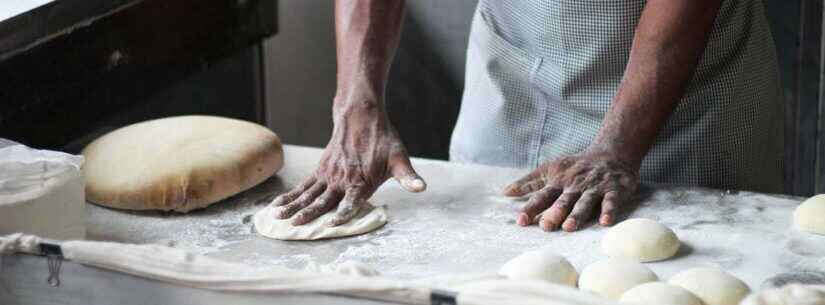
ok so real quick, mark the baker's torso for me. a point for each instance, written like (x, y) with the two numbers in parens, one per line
(540, 76)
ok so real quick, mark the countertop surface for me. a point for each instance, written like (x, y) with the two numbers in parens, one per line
(462, 224)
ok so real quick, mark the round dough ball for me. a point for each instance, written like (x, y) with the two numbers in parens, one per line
(542, 265)
(611, 277)
(658, 293)
(641, 240)
(810, 215)
(179, 163)
(712, 286)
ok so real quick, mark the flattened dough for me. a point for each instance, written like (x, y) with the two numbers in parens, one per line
(368, 219)
(179, 163)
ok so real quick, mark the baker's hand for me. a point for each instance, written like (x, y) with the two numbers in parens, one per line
(568, 190)
(362, 154)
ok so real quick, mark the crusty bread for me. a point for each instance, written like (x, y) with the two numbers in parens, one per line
(179, 163)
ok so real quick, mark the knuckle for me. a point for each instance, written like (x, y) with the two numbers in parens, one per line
(306, 213)
(304, 197)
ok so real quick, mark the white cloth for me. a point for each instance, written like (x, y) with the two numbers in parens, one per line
(179, 267)
(41, 192)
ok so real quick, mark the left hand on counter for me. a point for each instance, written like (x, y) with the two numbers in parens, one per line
(567, 190)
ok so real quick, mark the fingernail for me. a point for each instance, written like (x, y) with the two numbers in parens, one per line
(606, 220)
(570, 225)
(417, 183)
(414, 184)
(522, 220)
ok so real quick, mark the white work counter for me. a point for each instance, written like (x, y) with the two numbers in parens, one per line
(462, 225)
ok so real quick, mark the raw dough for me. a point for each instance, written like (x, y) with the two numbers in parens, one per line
(641, 240)
(712, 286)
(658, 293)
(611, 277)
(542, 265)
(368, 219)
(810, 215)
(795, 294)
(179, 163)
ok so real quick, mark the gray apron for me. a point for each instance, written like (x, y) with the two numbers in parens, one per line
(541, 74)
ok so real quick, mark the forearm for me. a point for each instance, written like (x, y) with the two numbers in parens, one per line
(669, 41)
(367, 33)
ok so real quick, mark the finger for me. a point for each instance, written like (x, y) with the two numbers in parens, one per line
(301, 202)
(320, 206)
(403, 172)
(610, 204)
(294, 193)
(552, 218)
(539, 202)
(349, 207)
(582, 211)
(529, 183)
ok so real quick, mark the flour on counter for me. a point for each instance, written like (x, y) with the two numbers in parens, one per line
(461, 224)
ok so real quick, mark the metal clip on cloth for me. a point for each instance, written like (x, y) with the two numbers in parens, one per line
(54, 258)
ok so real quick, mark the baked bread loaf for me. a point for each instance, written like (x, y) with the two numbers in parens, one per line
(179, 163)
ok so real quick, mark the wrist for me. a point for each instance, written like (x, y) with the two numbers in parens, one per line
(357, 102)
(618, 150)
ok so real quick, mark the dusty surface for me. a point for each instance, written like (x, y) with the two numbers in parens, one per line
(461, 224)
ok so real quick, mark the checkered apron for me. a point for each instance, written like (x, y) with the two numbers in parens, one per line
(541, 74)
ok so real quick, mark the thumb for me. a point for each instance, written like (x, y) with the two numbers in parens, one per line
(403, 172)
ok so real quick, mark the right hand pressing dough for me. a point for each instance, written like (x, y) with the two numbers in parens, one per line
(641, 240)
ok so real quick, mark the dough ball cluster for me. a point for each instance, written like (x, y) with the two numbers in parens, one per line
(624, 277)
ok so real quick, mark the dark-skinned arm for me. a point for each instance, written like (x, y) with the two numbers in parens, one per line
(669, 41)
(364, 150)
